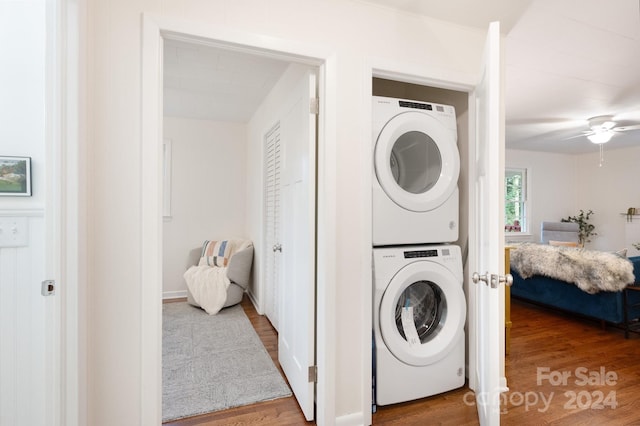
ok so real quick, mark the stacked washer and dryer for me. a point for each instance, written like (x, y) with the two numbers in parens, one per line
(419, 305)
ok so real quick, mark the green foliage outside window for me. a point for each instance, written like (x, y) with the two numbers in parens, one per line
(515, 197)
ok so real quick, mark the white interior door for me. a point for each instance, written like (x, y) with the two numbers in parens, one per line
(486, 239)
(296, 334)
(272, 218)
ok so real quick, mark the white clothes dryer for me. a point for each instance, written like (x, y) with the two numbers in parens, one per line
(418, 322)
(416, 169)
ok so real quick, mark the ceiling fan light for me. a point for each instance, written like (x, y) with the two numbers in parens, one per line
(601, 137)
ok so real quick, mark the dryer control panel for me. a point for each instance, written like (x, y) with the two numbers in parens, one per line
(426, 106)
(421, 253)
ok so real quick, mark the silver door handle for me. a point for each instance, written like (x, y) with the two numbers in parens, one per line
(476, 278)
(494, 279)
(506, 279)
(277, 247)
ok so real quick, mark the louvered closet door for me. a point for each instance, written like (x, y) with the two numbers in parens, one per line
(273, 257)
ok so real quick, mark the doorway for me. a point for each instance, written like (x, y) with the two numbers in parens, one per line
(218, 104)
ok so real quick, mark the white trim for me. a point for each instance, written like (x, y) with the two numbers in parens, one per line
(252, 298)
(415, 73)
(23, 212)
(472, 256)
(53, 209)
(55, 98)
(366, 250)
(353, 419)
(153, 30)
(326, 242)
(177, 294)
(151, 227)
(64, 211)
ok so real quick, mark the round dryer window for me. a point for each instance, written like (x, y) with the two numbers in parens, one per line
(422, 313)
(417, 161)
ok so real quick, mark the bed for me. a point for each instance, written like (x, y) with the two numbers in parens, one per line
(576, 280)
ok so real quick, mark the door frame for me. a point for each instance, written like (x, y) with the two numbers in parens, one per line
(406, 73)
(154, 30)
(65, 211)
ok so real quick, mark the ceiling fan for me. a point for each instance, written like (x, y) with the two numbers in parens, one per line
(603, 127)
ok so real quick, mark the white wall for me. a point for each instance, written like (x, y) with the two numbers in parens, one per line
(23, 350)
(609, 191)
(553, 190)
(354, 35)
(208, 191)
(562, 185)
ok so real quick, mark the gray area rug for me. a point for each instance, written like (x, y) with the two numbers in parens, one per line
(213, 362)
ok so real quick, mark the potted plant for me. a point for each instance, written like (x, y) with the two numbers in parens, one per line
(585, 229)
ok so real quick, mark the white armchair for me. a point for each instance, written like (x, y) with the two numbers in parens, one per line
(225, 263)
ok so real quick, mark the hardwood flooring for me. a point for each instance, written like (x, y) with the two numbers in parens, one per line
(540, 339)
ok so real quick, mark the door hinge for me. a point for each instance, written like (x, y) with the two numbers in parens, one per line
(313, 374)
(314, 106)
(48, 287)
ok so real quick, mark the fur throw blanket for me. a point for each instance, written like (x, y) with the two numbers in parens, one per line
(592, 271)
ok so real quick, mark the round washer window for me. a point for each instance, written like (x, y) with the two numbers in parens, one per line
(429, 309)
(415, 161)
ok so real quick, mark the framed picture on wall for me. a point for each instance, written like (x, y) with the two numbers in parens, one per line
(15, 176)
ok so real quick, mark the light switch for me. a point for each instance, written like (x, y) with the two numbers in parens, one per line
(14, 231)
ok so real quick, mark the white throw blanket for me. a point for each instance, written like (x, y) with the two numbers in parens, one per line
(208, 286)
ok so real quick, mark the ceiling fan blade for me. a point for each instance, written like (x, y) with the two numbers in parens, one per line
(544, 120)
(626, 128)
(583, 134)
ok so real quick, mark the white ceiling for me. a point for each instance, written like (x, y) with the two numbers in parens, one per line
(205, 82)
(566, 61)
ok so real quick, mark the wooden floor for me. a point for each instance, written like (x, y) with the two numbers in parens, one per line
(556, 343)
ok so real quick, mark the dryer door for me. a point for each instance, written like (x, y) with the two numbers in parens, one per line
(422, 313)
(417, 161)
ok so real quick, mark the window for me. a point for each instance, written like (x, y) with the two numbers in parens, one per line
(515, 205)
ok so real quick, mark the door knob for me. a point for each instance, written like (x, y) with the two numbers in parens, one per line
(476, 278)
(277, 247)
(506, 279)
(493, 279)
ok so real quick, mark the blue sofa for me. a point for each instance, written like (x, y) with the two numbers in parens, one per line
(618, 308)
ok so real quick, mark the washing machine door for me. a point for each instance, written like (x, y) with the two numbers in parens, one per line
(422, 313)
(417, 161)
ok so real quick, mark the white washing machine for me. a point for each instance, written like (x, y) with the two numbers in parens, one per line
(418, 315)
(416, 168)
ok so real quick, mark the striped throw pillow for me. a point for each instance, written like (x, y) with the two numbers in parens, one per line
(216, 253)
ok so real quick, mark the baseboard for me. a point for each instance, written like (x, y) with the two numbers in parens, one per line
(174, 294)
(254, 302)
(353, 419)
